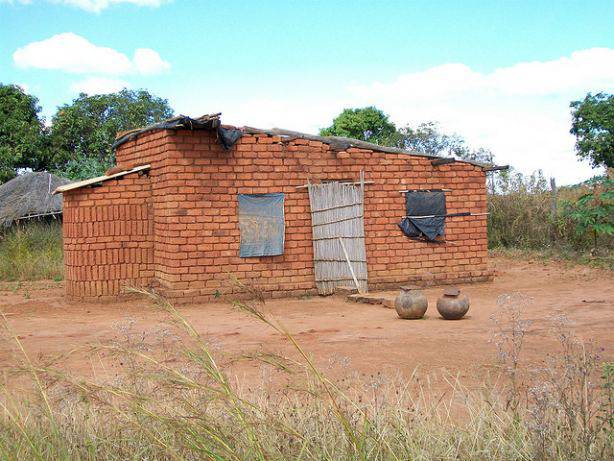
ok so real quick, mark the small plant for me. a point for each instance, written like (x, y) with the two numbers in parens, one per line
(607, 405)
(511, 329)
(593, 213)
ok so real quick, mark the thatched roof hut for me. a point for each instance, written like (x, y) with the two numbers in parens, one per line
(29, 196)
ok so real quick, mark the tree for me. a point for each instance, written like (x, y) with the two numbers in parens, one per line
(594, 212)
(427, 139)
(367, 123)
(82, 132)
(372, 124)
(22, 132)
(593, 127)
(480, 155)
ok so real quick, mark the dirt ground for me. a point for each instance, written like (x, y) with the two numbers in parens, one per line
(340, 335)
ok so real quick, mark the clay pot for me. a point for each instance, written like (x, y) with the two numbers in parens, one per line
(452, 305)
(410, 303)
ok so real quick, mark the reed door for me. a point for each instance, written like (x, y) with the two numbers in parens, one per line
(337, 211)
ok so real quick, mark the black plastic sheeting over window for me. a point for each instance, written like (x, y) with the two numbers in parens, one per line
(424, 203)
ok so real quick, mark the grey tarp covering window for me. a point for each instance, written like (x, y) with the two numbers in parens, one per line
(261, 221)
(424, 203)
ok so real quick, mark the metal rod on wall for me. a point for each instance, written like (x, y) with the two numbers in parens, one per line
(304, 186)
(451, 215)
(425, 190)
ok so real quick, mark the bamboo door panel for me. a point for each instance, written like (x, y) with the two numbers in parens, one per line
(337, 211)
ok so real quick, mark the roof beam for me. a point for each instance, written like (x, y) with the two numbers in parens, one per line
(496, 168)
(99, 179)
(443, 161)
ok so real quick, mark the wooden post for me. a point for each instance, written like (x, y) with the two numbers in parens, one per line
(553, 207)
(347, 258)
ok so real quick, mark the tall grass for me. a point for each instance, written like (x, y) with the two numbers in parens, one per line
(523, 218)
(179, 402)
(32, 251)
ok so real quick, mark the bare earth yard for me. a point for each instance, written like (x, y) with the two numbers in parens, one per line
(340, 335)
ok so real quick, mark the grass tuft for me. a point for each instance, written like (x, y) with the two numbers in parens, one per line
(32, 251)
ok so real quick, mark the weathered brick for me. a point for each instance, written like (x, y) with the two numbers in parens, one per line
(177, 228)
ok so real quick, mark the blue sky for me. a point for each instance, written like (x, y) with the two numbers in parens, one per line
(499, 73)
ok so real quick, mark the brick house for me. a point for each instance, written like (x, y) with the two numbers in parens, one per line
(167, 216)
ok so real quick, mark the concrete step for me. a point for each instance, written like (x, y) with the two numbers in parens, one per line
(345, 290)
(384, 299)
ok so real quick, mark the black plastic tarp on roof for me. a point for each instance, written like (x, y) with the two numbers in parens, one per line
(226, 136)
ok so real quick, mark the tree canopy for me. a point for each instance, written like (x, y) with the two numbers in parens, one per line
(22, 132)
(428, 139)
(593, 127)
(367, 124)
(83, 131)
(373, 125)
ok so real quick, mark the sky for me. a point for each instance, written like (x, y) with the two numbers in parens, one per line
(499, 73)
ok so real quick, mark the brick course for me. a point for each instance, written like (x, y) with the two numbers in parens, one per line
(176, 228)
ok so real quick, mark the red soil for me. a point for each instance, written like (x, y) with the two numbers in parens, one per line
(340, 335)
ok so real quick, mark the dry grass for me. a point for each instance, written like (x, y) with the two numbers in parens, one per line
(602, 259)
(521, 222)
(32, 251)
(181, 404)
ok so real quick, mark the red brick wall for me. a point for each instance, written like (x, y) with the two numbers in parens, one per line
(107, 238)
(194, 235)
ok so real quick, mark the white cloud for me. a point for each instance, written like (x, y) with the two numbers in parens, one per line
(265, 112)
(94, 6)
(99, 85)
(24, 87)
(69, 52)
(521, 112)
(593, 67)
(148, 61)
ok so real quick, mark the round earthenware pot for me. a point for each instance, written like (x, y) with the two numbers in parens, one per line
(410, 303)
(452, 305)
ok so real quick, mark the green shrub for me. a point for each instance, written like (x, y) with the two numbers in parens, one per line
(32, 251)
(593, 212)
(84, 168)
